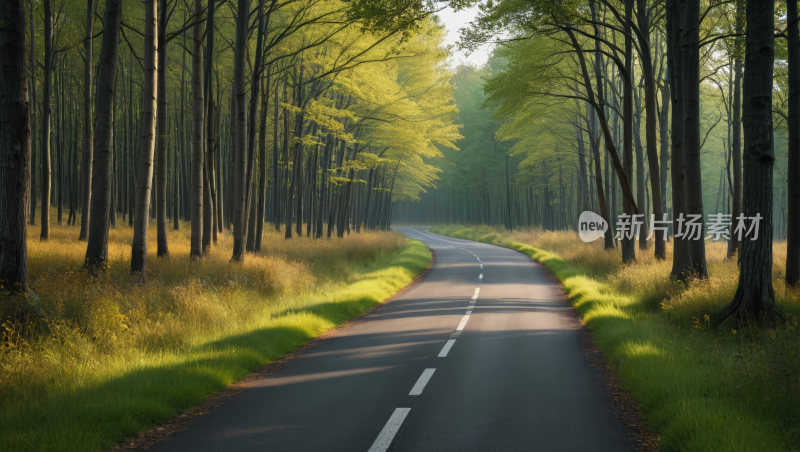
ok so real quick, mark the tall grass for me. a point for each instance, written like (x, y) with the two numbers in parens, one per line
(86, 361)
(701, 388)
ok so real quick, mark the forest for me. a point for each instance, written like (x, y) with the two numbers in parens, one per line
(268, 147)
(577, 109)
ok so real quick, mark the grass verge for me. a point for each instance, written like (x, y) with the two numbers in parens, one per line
(699, 389)
(93, 362)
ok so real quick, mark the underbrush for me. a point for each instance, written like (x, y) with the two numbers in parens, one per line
(87, 361)
(700, 388)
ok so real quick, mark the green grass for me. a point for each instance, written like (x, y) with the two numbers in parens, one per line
(107, 397)
(699, 389)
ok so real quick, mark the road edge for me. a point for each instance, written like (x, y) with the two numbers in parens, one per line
(633, 423)
(180, 422)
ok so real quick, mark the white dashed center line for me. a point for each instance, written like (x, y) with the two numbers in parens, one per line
(463, 323)
(423, 380)
(477, 291)
(386, 435)
(481, 276)
(446, 348)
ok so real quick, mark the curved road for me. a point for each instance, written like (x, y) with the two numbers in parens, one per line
(479, 355)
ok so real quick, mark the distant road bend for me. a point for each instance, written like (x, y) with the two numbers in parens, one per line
(479, 355)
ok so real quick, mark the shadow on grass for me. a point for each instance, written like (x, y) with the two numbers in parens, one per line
(110, 407)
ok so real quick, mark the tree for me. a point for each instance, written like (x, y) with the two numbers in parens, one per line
(736, 138)
(755, 298)
(198, 149)
(15, 151)
(162, 135)
(102, 166)
(240, 174)
(46, 112)
(147, 143)
(88, 141)
(793, 168)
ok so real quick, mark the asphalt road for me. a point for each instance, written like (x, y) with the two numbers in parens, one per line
(480, 355)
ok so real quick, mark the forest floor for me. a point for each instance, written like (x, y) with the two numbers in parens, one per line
(86, 362)
(699, 388)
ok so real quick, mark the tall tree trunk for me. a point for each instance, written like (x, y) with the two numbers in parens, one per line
(208, 158)
(240, 169)
(255, 95)
(650, 124)
(102, 169)
(793, 168)
(46, 115)
(262, 158)
(162, 136)
(59, 83)
(198, 113)
(144, 181)
(276, 183)
(681, 260)
(694, 183)
(663, 120)
(15, 151)
(88, 143)
(32, 102)
(755, 298)
(627, 240)
(208, 175)
(736, 139)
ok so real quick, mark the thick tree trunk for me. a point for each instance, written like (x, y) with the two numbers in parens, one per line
(754, 297)
(162, 136)
(681, 260)
(144, 182)
(694, 183)
(793, 168)
(15, 151)
(240, 169)
(102, 167)
(198, 120)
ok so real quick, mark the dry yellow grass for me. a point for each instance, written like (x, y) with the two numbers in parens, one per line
(648, 279)
(74, 326)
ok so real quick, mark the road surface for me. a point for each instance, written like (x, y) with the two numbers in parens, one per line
(480, 355)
